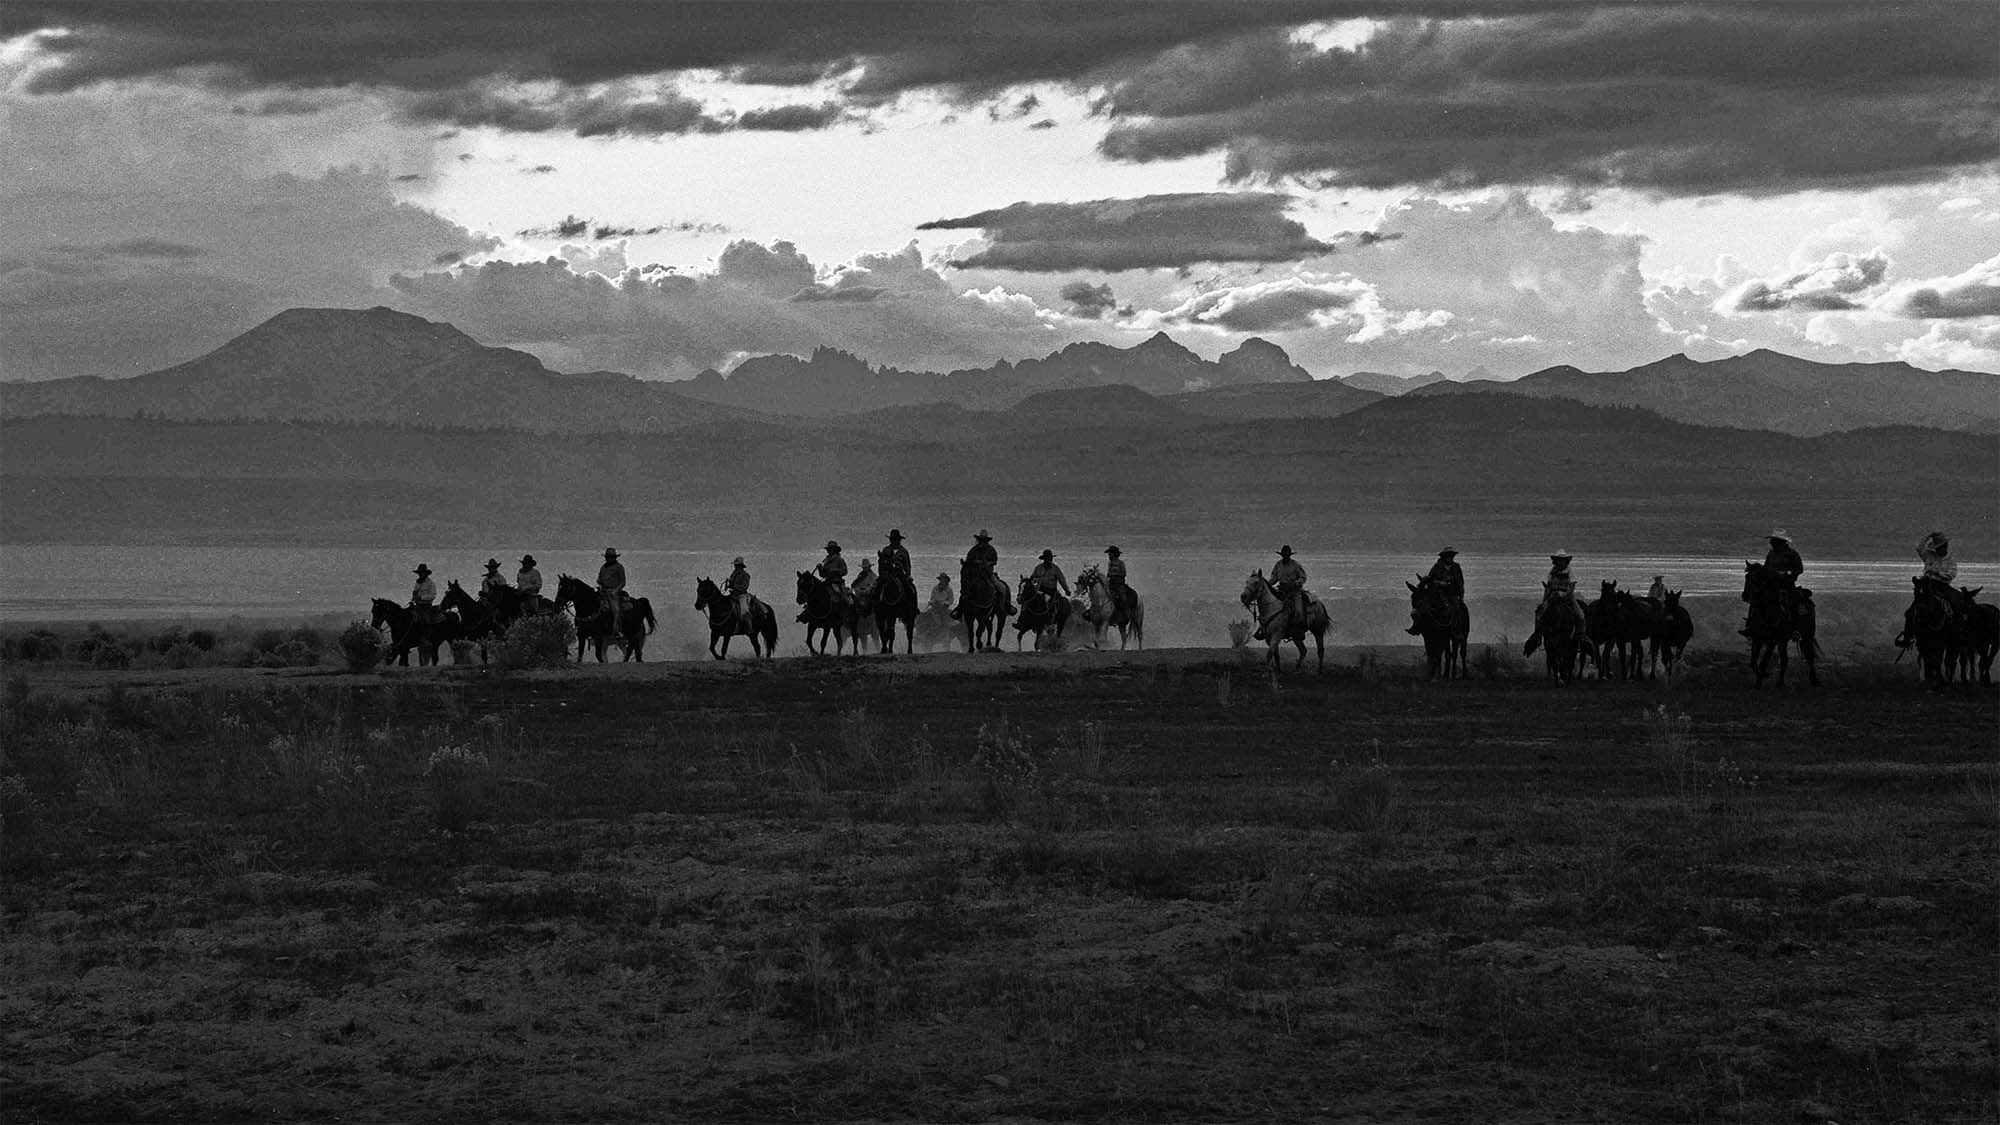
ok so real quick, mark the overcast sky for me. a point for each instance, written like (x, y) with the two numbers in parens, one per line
(666, 187)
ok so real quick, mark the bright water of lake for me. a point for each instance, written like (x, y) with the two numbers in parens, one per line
(74, 583)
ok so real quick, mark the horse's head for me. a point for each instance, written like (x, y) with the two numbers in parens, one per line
(383, 612)
(1253, 587)
(705, 591)
(455, 596)
(807, 581)
(1607, 589)
(1753, 579)
(1673, 600)
(1970, 592)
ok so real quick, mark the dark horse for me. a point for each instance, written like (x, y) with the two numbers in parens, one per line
(1932, 626)
(594, 624)
(1635, 621)
(982, 605)
(1559, 630)
(895, 599)
(724, 622)
(1780, 613)
(482, 620)
(1041, 611)
(405, 633)
(1444, 623)
(1978, 636)
(1676, 629)
(824, 616)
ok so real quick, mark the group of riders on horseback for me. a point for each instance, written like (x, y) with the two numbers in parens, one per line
(1780, 610)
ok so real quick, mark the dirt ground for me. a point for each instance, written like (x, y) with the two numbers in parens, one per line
(1145, 887)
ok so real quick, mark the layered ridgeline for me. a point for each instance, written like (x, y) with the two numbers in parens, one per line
(379, 365)
(1767, 390)
(371, 426)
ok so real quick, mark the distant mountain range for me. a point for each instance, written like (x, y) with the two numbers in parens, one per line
(1382, 384)
(1767, 390)
(833, 382)
(371, 365)
(379, 365)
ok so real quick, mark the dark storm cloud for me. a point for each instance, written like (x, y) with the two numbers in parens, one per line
(447, 46)
(1151, 232)
(1088, 301)
(569, 227)
(1678, 99)
(790, 118)
(538, 170)
(679, 226)
(1371, 238)
(144, 248)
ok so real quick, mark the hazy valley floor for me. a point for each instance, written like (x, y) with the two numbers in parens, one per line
(1076, 886)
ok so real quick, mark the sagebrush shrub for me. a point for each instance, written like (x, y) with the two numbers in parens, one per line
(541, 641)
(361, 647)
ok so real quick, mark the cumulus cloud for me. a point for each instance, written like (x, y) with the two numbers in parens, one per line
(1284, 305)
(191, 234)
(1088, 301)
(1954, 344)
(1830, 285)
(1973, 293)
(1679, 99)
(1150, 232)
(888, 308)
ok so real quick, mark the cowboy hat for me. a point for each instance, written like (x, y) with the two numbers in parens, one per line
(610, 552)
(493, 564)
(1447, 552)
(866, 562)
(1047, 554)
(1559, 556)
(422, 568)
(945, 574)
(1285, 550)
(1111, 550)
(895, 533)
(527, 560)
(1781, 535)
(737, 561)
(832, 546)
(982, 533)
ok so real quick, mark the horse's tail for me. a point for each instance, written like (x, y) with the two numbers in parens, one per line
(645, 608)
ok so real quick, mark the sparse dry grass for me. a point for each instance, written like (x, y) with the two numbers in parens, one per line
(1052, 893)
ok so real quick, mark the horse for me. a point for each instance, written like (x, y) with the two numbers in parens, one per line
(480, 620)
(823, 615)
(1634, 623)
(724, 622)
(1979, 635)
(895, 599)
(1670, 639)
(1105, 612)
(1443, 622)
(1562, 634)
(594, 624)
(405, 634)
(983, 607)
(1600, 632)
(1041, 611)
(1280, 624)
(1779, 614)
(1931, 625)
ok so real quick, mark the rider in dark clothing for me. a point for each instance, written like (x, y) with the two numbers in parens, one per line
(1784, 564)
(982, 553)
(1448, 578)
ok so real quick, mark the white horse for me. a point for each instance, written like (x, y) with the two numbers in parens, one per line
(1100, 612)
(1279, 623)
